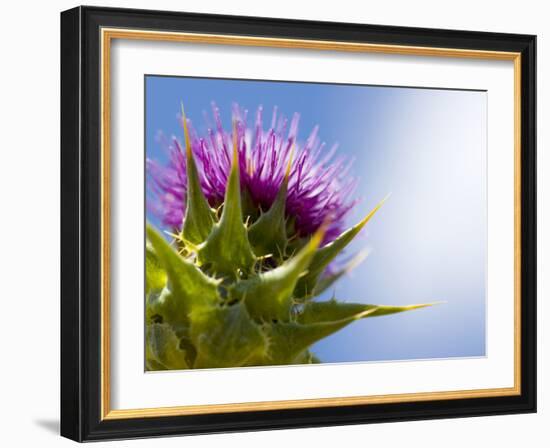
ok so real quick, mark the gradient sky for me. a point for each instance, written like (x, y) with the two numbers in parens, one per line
(427, 147)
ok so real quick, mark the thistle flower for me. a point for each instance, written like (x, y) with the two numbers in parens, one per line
(319, 184)
(237, 286)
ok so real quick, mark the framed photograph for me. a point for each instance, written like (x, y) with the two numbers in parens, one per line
(273, 223)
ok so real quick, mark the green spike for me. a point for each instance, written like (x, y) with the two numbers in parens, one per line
(384, 310)
(289, 341)
(227, 248)
(268, 234)
(332, 310)
(162, 349)
(190, 288)
(268, 295)
(226, 337)
(326, 254)
(198, 220)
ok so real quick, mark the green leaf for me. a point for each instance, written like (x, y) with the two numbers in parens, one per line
(268, 295)
(152, 313)
(155, 276)
(268, 234)
(162, 349)
(326, 282)
(190, 288)
(327, 253)
(198, 220)
(226, 337)
(227, 249)
(288, 340)
(332, 310)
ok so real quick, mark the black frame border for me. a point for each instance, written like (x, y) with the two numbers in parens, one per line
(81, 224)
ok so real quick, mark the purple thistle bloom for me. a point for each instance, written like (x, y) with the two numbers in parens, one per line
(319, 185)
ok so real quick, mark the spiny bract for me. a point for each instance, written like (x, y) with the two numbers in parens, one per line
(237, 290)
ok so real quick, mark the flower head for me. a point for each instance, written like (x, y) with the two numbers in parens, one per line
(319, 187)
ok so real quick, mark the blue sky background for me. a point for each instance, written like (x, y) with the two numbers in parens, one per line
(427, 148)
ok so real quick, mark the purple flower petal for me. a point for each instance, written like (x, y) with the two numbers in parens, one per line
(319, 184)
